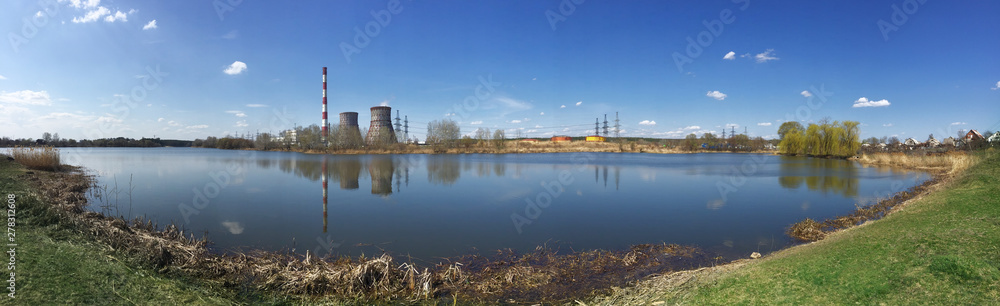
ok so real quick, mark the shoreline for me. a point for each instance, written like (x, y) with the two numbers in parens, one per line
(170, 251)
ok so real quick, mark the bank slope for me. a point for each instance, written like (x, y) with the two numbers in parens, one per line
(942, 248)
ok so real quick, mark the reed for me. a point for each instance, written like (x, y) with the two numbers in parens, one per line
(37, 158)
(949, 162)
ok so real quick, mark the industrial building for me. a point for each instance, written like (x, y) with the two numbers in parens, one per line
(595, 138)
(381, 131)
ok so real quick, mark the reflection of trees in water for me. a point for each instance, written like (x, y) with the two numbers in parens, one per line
(442, 170)
(486, 168)
(380, 169)
(826, 175)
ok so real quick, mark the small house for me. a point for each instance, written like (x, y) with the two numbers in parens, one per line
(973, 135)
(910, 142)
(949, 142)
(932, 143)
(995, 138)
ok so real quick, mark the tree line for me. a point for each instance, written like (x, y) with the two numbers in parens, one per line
(834, 139)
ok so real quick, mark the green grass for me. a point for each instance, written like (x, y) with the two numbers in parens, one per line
(942, 249)
(58, 266)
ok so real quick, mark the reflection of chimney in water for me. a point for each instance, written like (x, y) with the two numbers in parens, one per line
(380, 170)
(617, 169)
(324, 191)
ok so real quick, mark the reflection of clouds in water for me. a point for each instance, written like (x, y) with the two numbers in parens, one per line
(727, 243)
(253, 190)
(715, 204)
(805, 206)
(648, 175)
(233, 227)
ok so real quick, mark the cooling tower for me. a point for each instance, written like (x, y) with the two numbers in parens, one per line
(380, 131)
(349, 133)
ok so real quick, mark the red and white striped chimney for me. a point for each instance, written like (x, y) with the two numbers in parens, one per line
(324, 107)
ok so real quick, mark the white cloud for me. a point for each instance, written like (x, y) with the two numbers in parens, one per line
(764, 124)
(864, 102)
(150, 25)
(236, 68)
(2, 77)
(887, 125)
(160, 119)
(26, 97)
(562, 106)
(958, 123)
(996, 87)
(578, 103)
(242, 123)
(542, 114)
(716, 95)
(732, 125)
(449, 114)
(766, 56)
(515, 121)
(256, 105)
(92, 15)
(534, 79)
(730, 56)
(806, 93)
(237, 113)
(231, 35)
(173, 123)
(87, 4)
(200, 126)
(477, 122)
(647, 122)
(384, 103)
(692, 127)
(117, 16)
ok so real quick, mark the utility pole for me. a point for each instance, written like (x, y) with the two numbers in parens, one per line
(617, 127)
(605, 125)
(398, 125)
(406, 128)
(597, 126)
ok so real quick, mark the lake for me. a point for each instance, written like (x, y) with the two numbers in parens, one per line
(430, 206)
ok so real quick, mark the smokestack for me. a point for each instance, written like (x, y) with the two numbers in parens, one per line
(324, 108)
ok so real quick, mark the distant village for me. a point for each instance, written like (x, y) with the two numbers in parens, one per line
(970, 140)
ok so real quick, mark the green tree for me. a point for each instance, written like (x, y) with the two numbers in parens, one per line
(788, 127)
(691, 142)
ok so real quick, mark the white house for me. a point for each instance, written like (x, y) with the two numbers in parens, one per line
(910, 142)
(994, 138)
(932, 143)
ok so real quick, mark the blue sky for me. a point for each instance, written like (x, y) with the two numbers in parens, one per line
(191, 69)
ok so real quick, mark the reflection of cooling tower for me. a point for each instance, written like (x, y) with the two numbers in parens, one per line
(381, 170)
(349, 131)
(348, 172)
(381, 129)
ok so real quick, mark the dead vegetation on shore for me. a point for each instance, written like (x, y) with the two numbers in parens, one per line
(543, 275)
(948, 162)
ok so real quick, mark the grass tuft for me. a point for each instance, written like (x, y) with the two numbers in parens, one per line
(37, 158)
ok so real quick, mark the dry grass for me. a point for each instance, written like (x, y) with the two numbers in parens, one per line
(37, 158)
(807, 230)
(949, 162)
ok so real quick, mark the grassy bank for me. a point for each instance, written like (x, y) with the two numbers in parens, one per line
(57, 265)
(940, 248)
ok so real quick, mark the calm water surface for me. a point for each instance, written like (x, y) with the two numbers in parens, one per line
(431, 206)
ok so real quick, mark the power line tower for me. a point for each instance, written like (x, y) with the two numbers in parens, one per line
(597, 126)
(732, 132)
(617, 127)
(723, 134)
(398, 125)
(406, 128)
(605, 125)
